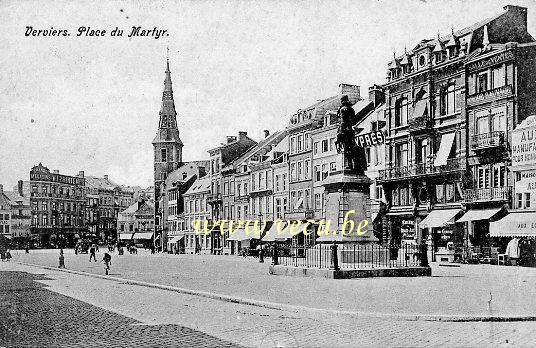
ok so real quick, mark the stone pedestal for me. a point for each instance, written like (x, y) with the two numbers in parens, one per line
(345, 192)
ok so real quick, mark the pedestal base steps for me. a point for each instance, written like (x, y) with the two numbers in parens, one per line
(350, 273)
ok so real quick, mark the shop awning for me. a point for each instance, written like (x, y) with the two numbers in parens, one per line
(272, 234)
(439, 218)
(515, 224)
(479, 214)
(125, 236)
(143, 235)
(284, 233)
(175, 239)
(240, 235)
(444, 149)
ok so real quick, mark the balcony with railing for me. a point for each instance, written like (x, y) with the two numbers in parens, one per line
(489, 95)
(419, 124)
(214, 197)
(487, 140)
(241, 198)
(488, 194)
(421, 169)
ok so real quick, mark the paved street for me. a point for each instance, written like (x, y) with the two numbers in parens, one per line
(76, 310)
(451, 291)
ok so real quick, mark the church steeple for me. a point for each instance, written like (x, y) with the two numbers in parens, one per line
(167, 143)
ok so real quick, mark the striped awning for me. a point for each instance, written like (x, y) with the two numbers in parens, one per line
(439, 218)
(175, 239)
(125, 236)
(515, 224)
(143, 235)
(479, 214)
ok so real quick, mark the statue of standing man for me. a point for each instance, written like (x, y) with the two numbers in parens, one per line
(355, 160)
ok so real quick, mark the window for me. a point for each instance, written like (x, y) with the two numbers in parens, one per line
(499, 176)
(300, 170)
(498, 121)
(401, 154)
(527, 199)
(367, 155)
(44, 205)
(482, 82)
(307, 141)
(317, 173)
(253, 180)
(497, 76)
(483, 125)
(293, 171)
(292, 144)
(519, 200)
(318, 202)
(401, 112)
(307, 168)
(284, 181)
(422, 150)
(331, 144)
(261, 179)
(333, 167)
(277, 177)
(447, 100)
(325, 172)
(324, 145)
(315, 147)
(239, 189)
(483, 178)
(164, 155)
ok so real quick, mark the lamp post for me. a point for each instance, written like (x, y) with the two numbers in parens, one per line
(261, 253)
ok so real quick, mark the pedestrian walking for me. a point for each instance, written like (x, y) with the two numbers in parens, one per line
(61, 260)
(27, 249)
(152, 248)
(107, 259)
(96, 245)
(92, 254)
(3, 253)
(8, 255)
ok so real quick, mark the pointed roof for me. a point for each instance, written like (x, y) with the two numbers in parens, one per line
(168, 104)
(438, 45)
(405, 59)
(394, 64)
(453, 40)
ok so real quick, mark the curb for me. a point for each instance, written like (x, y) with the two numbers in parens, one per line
(296, 308)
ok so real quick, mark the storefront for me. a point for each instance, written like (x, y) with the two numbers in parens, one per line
(519, 227)
(444, 238)
(524, 164)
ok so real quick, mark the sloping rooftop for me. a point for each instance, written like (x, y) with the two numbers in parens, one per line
(199, 186)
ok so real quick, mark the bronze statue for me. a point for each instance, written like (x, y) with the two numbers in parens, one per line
(354, 156)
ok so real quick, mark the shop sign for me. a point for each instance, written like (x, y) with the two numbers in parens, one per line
(407, 222)
(370, 139)
(524, 145)
(527, 184)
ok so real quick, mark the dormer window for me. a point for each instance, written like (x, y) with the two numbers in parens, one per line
(422, 60)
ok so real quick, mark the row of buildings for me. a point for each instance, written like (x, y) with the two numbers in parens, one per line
(438, 142)
(54, 209)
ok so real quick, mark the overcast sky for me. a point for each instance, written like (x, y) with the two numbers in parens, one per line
(91, 103)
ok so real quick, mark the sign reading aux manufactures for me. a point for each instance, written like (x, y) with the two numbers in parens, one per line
(524, 143)
(370, 139)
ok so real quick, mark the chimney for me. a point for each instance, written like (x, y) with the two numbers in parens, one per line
(201, 172)
(352, 91)
(231, 139)
(81, 173)
(19, 188)
(105, 176)
(242, 134)
(56, 171)
(266, 133)
(376, 95)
